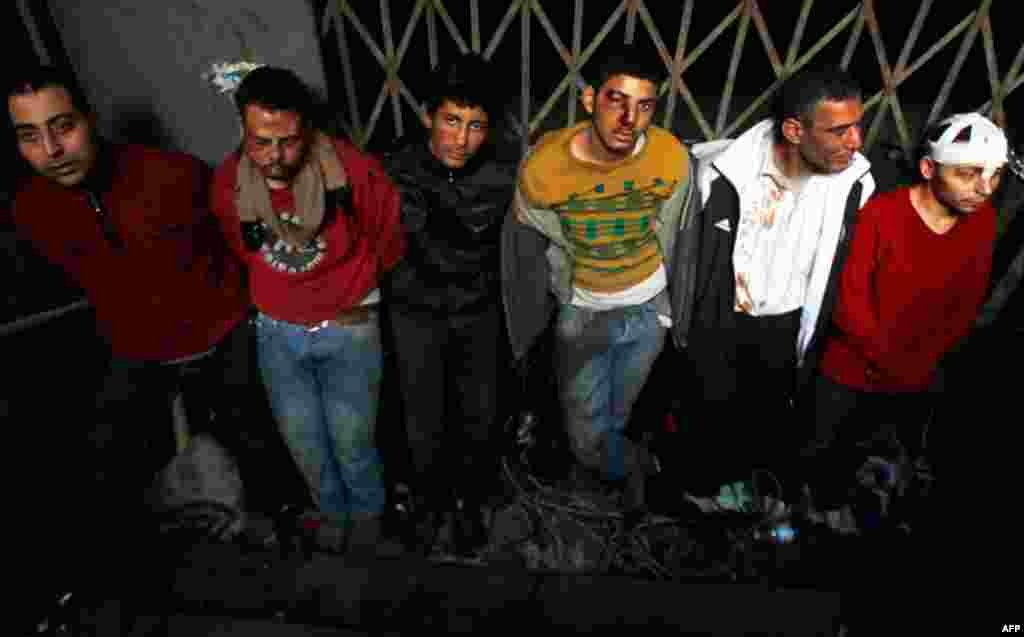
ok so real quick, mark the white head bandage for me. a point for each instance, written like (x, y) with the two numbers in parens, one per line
(971, 139)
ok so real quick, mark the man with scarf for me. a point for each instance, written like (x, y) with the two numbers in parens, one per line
(317, 222)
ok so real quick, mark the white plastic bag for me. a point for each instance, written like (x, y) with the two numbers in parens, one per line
(201, 487)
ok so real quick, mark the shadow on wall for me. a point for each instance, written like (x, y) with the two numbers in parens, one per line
(137, 124)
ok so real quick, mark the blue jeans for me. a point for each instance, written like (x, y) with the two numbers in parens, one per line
(324, 386)
(603, 360)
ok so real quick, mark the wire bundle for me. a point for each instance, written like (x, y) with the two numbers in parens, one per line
(586, 532)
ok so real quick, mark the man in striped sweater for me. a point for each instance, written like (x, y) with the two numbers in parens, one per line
(608, 196)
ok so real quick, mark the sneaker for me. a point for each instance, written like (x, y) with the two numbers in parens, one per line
(735, 496)
(738, 497)
(421, 527)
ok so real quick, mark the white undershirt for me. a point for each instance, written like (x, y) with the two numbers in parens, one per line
(776, 241)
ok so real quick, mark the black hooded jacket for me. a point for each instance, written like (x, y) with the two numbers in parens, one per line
(452, 220)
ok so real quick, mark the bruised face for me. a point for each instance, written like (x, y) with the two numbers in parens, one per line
(457, 133)
(827, 144)
(277, 142)
(622, 109)
(962, 188)
(52, 135)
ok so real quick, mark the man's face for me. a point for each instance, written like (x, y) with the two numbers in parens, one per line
(828, 143)
(276, 141)
(457, 133)
(961, 188)
(52, 135)
(622, 110)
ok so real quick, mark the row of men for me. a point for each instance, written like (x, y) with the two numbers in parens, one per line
(766, 258)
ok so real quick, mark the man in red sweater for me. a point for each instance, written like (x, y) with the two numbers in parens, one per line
(318, 223)
(131, 226)
(917, 273)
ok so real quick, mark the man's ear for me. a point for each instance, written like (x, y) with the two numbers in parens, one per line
(927, 167)
(587, 97)
(792, 129)
(426, 118)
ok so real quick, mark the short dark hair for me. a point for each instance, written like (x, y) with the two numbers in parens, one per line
(922, 150)
(628, 60)
(467, 81)
(277, 89)
(38, 77)
(800, 95)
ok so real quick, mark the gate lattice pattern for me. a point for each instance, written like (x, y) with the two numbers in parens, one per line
(846, 34)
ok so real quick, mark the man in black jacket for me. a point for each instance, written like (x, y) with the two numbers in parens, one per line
(444, 302)
(779, 204)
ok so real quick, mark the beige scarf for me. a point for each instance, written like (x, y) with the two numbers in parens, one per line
(321, 172)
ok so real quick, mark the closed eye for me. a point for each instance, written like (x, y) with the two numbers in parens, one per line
(840, 131)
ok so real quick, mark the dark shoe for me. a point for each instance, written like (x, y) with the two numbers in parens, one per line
(469, 531)
(422, 527)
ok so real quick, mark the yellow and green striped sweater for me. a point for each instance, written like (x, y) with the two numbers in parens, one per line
(607, 213)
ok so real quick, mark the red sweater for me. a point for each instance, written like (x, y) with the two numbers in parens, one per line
(906, 295)
(173, 288)
(353, 251)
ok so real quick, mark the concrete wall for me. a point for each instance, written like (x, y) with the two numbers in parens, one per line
(141, 62)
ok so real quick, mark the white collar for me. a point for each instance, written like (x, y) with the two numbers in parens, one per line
(735, 165)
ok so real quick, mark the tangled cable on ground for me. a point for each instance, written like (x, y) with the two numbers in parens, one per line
(567, 528)
(580, 528)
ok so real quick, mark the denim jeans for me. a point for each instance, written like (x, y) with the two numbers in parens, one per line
(603, 360)
(323, 385)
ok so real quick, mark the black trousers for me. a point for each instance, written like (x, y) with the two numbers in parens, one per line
(848, 424)
(449, 371)
(132, 434)
(739, 414)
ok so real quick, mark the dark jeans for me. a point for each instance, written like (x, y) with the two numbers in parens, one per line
(844, 421)
(132, 436)
(449, 372)
(740, 416)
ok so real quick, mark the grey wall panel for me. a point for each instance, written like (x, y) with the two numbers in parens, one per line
(141, 62)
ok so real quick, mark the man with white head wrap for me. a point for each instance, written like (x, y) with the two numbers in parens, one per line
(917, 272)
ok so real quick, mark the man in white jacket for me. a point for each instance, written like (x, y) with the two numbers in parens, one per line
(779, 203)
